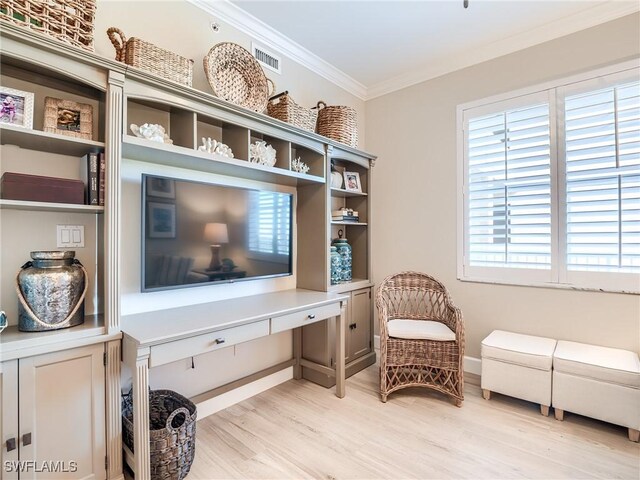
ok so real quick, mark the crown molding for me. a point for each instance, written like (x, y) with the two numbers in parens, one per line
(238, 18)
(271, 38)
(596, 15)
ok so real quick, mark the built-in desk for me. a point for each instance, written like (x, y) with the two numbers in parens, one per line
(156, 338)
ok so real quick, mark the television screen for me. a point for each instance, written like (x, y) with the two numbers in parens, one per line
(200, 233)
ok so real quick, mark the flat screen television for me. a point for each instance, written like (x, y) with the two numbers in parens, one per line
(199, 233)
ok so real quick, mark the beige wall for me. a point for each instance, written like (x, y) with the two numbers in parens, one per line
(413, 131)
(185, 29)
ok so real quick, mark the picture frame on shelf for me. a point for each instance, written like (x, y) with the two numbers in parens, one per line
(162, 220)
(161, 187)
(67, 117)
(16, 107)
(352, 182)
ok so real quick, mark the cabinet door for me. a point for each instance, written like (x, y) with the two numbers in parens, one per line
(62, 414)
(9, 419)
(360, 323)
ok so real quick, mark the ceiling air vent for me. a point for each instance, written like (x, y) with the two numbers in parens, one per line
(266, 58)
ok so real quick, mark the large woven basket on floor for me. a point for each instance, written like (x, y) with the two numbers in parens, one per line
(283, 108)
(70, 21)
(236, 76)
(147, 56)
(338, 123)
(172, 436)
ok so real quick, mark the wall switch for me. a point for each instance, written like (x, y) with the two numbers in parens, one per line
(70, 236)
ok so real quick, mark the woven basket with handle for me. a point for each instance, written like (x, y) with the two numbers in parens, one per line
(147, 56)
(70, 21)
(338, 123)
(172, 436)
(283, 108)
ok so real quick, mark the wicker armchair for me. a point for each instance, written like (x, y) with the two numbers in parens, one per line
(421, 336)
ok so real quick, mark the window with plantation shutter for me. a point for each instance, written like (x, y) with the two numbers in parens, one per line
(550, 184)
(269, 225)
(602, 145)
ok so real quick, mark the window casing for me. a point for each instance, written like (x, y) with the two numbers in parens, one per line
(550, 183)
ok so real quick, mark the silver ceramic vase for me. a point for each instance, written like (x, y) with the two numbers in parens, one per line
(51, 290)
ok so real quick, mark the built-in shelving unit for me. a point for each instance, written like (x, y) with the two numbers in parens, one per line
(49, 207)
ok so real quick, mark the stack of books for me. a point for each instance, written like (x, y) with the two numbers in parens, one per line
(344, 215)
(93, 171)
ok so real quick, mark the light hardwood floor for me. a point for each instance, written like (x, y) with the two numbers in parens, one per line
(301, 430)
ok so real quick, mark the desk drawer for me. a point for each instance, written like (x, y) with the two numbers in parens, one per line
(304, 317)
(190, 347)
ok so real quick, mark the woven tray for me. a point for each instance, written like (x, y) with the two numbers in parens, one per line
(70, 21)
(236, 76)
(338, 123)
(147, 56)
(283, 108)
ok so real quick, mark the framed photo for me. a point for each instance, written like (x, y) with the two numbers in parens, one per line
(162, 220)
(68, 118)
(352, 182)
(16, 107)
(161, 187)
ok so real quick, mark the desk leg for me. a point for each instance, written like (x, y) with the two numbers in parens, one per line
(340, 354)
(141, 415)
(297, 352)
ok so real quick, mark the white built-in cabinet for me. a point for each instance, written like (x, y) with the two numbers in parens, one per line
(54, 385)
(53, 410)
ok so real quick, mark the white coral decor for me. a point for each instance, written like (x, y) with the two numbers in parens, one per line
(299, 166)
(211, 145)
(262, 154)
(151, 131)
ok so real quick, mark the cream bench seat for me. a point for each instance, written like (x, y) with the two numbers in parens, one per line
(597, 382)
(519, 366)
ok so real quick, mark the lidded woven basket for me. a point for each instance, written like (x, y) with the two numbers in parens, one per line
(339, 123)
(147, 56)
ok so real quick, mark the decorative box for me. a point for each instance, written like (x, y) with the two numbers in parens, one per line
(35, 188)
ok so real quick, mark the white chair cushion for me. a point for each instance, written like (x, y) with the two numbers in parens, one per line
(611, 365)
(420, 330)
(519, 349)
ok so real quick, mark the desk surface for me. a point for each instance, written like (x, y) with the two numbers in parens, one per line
(154, 328)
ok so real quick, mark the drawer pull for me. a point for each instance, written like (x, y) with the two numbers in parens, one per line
(311, 316)
(11, 444)
(26, 439)
(218, 341)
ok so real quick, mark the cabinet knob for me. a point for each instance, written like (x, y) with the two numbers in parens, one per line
(218, 341)
(311, 316)
(11, 444)
(353, 326)
(26, 439)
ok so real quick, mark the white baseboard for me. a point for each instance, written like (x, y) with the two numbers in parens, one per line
(225, 400)
(471, 364)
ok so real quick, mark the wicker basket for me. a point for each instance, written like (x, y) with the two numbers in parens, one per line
(287, 110)
(147, 56)
(172, 436)
(338, 123)
(70, 21)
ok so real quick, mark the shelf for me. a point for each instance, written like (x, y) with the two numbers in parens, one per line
(47, 142)
(362, 224)
(143, 150)
(355, 284)
(341, 192)
(17, 344)
(49, 207)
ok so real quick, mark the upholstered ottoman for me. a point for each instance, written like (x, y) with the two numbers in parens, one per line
(597, 382)
(519, 366)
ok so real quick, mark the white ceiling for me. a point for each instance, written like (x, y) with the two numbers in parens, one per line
(380, 46)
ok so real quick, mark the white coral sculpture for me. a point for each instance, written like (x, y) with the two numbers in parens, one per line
(263, 154)
(299, 166)
(211, 145)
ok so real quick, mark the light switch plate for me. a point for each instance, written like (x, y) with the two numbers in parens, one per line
(70, 236)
